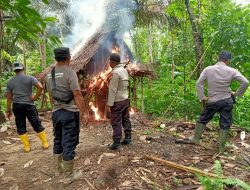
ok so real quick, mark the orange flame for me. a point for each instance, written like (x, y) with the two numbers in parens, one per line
(105, 73)
(95, 110)
(116, 50)
(102, 77)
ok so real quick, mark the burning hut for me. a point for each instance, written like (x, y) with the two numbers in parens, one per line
(91, 63)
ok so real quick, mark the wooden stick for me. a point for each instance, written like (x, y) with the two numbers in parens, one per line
(182, 167)
(142, 97)
(90, 184)
(148, 181)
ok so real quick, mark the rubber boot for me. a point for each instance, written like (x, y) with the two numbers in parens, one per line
(58, 164)
(26, 143)
(42, 137)
(222, 140)
(115, 145)
(69, 174)
(197, 134)
(127, 140)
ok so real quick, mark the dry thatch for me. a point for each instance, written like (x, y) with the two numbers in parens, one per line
(93, 57)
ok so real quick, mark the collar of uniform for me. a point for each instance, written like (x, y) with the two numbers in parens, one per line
(21, 73)
(60, 66)
(221, 63)
(119, 65)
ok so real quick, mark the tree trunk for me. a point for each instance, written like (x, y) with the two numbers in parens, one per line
(43, 51)
(2, 117)
(198, 40)
(135, 92)
(150, 44)
(142, 97)
(24, 58)
(173, 64)
(150, 50)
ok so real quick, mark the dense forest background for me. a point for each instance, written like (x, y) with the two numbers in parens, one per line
(179, 37)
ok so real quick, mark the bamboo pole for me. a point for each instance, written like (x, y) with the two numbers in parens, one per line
(43, 100)
(24, 58)
(182, 167)
(142, 97)
(135, 92)
(173, 62)
(1, 49)
(44, 97)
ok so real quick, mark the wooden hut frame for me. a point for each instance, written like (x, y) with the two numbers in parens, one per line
(93, 59)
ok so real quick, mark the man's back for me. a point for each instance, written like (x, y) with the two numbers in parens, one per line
(66, 82)
(123, 76)
(219, 78)
(21, 88)
(120, 75)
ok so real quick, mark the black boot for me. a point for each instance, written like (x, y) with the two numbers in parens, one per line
(115, 145)
(127, 139)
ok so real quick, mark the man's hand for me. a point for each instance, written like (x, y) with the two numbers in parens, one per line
(108, 108)
(8, 114)
(204, 101)
(83, 119)
(34, 98)
(233, 96)
(39, 88)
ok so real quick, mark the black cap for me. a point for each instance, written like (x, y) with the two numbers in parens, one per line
(115, 57)
(62, 52)
(226, 55)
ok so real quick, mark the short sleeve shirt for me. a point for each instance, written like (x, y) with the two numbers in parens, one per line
(21, 88)
(66, 80)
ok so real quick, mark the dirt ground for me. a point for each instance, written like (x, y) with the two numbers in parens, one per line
(124, 169)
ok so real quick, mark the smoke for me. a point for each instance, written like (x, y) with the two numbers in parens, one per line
(87, 17)
(120, 19)
(90, 16)
(120, 16)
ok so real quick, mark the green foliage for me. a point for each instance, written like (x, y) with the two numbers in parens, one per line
(210, 183)
(24, 20)
(224, 25)
(24, 26)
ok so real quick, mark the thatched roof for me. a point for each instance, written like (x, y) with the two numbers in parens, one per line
(92, 58)
(83, 57)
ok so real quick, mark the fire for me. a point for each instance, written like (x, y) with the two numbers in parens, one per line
(116, 50)
(133, 66)
(95, 110)
(132, 111)
(101, 78)
(105, 73)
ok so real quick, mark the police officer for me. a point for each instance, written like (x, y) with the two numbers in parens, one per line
(67, 100)
(19, 92)
(118, 102)
(220, 97)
